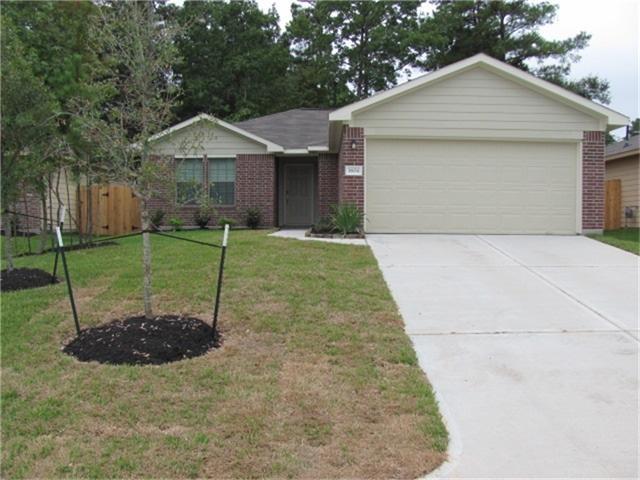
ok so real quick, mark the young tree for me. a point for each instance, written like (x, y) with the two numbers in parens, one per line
(28, 123)
(139, 49)
(508, 31)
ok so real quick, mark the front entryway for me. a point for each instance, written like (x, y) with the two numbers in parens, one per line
(298, 194)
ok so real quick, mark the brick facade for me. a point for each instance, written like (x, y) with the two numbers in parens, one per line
(29, 203)
(351, 188)
(593, 180)
(327, 183)
(255, 187)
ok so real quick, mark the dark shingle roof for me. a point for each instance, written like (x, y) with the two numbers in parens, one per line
(297, 128)
(633, 143)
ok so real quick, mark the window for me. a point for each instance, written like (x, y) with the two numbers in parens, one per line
(189, 180)
(222, 180)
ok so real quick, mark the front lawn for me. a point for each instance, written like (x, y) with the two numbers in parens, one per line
(625, 238)
(315, 377)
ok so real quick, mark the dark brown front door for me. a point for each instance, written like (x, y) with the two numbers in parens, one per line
(298, 195)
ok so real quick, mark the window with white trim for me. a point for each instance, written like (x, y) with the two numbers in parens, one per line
(189, 179)
(222, 180)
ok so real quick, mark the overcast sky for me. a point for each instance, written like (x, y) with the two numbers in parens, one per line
(612, 52)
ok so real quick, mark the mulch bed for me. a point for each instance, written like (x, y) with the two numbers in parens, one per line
(23, 278)
(70, 248)
(139, 341)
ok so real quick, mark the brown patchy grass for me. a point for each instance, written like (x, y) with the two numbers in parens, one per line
(316, 378)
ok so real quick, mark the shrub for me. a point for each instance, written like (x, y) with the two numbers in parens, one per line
(226, 221)
(346, 218)
(157, 218)
(176, 224)
(253, 217)
(205, 212)
(324, 225)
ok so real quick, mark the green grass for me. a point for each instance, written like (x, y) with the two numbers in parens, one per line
(625, 238)
(315, 378)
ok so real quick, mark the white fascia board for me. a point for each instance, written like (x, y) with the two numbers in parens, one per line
(271, 147)
(613, 118)
(318, 148)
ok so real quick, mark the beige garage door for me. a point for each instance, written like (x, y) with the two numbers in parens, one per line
(433, 186)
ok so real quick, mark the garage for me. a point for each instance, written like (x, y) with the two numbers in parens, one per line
(456, 186)
(476, 147)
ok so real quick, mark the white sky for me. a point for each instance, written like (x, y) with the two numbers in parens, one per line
(612, 52)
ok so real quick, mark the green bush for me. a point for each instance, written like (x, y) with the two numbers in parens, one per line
(346, 218)
(157, 218)
(176, 224)
(324, 225)
(253, 217)
(205, 212)
(226, 221)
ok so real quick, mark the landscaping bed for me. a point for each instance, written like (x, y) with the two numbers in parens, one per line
(140, 341)
(316, 377)
(25, 278)
(311, 234)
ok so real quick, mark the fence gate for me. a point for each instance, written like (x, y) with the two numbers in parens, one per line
(612, 204)
(108, 210)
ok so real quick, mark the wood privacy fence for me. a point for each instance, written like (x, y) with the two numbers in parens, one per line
(612, 204)
(108, 210)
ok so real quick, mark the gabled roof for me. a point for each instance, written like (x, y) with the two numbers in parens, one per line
(298, 128)
(271, 146)
(623, 148)
(613, 118)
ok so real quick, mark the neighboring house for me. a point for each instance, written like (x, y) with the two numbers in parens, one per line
(622, 162)
(62, 191)
(475, 147)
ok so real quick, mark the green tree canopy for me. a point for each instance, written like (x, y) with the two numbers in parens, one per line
(508, 31)
(362, 45)
(233, 64)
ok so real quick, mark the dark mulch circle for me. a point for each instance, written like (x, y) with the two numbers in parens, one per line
(138, 341)
(23, 278)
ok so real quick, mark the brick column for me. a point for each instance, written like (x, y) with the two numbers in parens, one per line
(256, 186)
(351, 188)
(593, 181)
(327, 182)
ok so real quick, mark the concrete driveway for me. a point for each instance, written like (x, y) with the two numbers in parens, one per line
(531, 343)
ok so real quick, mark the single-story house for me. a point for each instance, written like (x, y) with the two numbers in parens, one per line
(475, 147)
(622, 162)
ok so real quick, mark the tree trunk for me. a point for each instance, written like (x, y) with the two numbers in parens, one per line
(146, 259)
(8, 241)
(42, 245)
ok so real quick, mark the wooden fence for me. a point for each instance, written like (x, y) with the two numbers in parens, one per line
(612, 204)
(115, 210)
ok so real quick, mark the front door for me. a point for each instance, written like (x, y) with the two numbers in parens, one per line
(298, 195)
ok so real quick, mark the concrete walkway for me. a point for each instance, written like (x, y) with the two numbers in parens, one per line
(531, 343)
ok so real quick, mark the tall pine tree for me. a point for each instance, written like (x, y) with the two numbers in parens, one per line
(508, 31)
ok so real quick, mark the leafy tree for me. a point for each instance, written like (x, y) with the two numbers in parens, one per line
(363, 44)
(634, 128)
(233, 63)
(28, 123)
(315, 76)
(139, 50)
(508, 31)
(56, 38)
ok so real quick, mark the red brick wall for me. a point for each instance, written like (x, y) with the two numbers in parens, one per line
(255, 187)
(593, 180)
(327, 182)
(351, 189)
